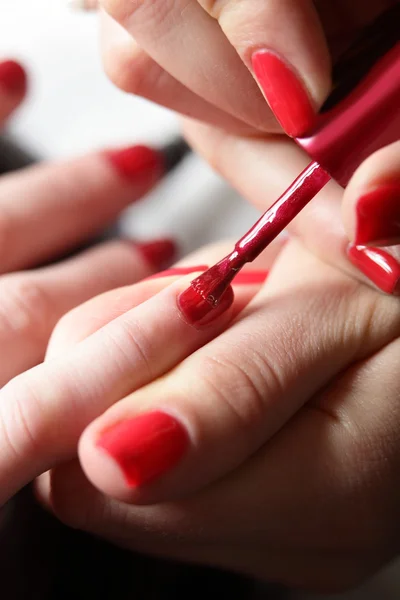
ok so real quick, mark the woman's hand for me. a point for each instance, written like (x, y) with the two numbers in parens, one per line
(210, 62)
(204, 58)
(266, 447)
(49, 210)
(357, 232)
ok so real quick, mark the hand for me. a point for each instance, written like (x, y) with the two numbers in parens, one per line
(48, 210)
(212, 71)
(203, 57)
(368, 214)
(266, 447)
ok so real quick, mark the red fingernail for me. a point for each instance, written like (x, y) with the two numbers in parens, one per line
(200, 312)
(137, 163)
(378, 216)
(286, 95)
(145, 447)
(379, 266)
(158, 253)
(250, 278)
(178, 272)
(13, 77)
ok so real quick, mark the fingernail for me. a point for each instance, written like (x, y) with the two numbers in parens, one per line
(13, 77)
(139, 164)
(286, 95)
(178, 272)
(378, 265)
(250, 278)
(145, 447)
(158, 253)
(200, 312)
(378, 216)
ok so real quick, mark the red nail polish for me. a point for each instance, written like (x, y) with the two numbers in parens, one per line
(178, 272)
(158, 253)
(250, 278)
(284, 92)
(379, 266)
(13, 77)
(200, 312)
(378, 216)
(145, 447)
(137, 163)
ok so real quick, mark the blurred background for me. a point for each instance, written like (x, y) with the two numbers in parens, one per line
(73, 108)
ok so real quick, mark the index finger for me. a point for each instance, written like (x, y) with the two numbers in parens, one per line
(44, 411)
(13, 85)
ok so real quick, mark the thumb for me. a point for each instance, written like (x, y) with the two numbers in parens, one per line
(371, 204)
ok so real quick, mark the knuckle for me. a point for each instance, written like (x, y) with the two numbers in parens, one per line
(25, 309)
(17, 423)
(133, 348)
(131, 70)
(239, 388)
(213, 7)
(121, 10)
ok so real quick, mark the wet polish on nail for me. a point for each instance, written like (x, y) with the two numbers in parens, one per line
(285, 93)
(137, 163)
(379, 266)
(13, 77)
(145, 447)
(378, 216)
(201, 312)
(158, 253)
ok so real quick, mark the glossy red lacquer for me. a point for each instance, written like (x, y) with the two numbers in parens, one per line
(378, 216)
(210, 287)
(137, 163)
(379, 266)
(145, 447)
(198, 310)
(13, 77)
(286, 95)
(158, 253)
(365, 121)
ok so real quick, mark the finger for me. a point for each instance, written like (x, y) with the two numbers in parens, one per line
(87, 318)
(13, 86)
(290, 61)
(167, 31)
(133, 71)
(262, 169)
(32, 302)
(53, 488)
(183, 431)
(45, 210)
(371, 205)
(268, 486)
(44, 411)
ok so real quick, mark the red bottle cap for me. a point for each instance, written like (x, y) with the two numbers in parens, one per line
(364, 121)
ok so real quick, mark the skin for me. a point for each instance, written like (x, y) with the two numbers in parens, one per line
(199, 84)
(46, 211)
(262, 493)
(293, 447)
(294, 450)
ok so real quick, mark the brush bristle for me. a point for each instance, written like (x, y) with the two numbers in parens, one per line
(214, 282)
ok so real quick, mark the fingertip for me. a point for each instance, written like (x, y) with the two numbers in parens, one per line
(13, 87)
(13, 78)
(371, 204)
